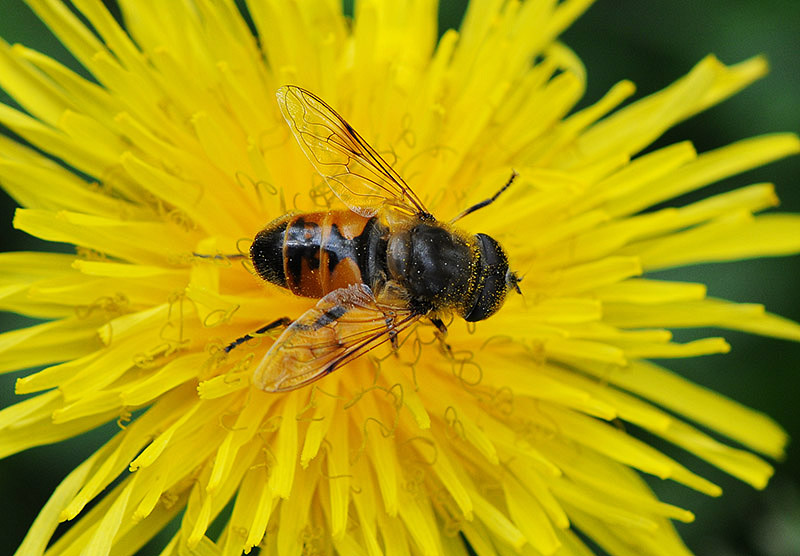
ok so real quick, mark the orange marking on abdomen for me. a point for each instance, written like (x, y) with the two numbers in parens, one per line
(319, 252)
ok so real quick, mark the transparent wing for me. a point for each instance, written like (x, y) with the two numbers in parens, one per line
(353, 170)
(344, 325)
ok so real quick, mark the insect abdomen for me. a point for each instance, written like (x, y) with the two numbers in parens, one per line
(314, 254)
(266, 252)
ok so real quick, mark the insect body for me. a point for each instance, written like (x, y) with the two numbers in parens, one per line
(377, 268)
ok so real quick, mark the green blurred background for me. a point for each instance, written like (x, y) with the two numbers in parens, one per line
(652, 43)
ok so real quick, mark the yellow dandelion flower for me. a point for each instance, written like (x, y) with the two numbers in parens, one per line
(167, 163)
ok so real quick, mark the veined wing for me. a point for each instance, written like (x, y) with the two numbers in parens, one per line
(354, 171)
(344, 325)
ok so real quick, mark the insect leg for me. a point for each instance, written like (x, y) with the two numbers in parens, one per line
(281, 322)
(219, 257)
(441, 334)
(440, 326)
(489, 201)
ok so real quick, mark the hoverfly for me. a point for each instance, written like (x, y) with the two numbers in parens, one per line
(376, 268)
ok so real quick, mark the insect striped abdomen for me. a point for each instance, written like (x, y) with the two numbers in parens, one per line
(314, 254)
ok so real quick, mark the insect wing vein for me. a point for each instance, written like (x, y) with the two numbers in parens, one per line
(344, 325)
(352, 168)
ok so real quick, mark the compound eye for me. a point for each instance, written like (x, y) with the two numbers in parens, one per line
(492, 280)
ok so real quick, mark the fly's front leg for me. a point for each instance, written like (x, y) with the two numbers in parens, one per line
(279, 323)
(392, 334)
(441, 334)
